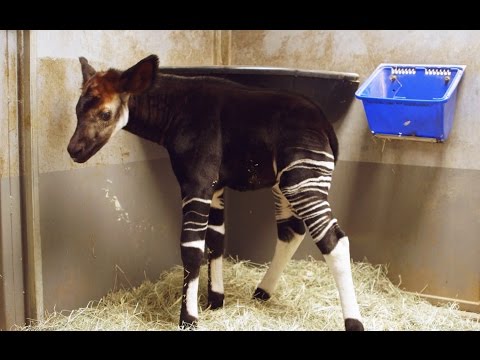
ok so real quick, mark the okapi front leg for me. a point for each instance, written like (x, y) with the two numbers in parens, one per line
(195, 222)
(215, 244)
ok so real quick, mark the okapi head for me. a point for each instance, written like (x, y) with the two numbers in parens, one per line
(102, 109)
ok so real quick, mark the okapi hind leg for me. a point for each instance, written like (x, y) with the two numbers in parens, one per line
(305, 182)
(338, 260)
(215, 244)
(291, 232)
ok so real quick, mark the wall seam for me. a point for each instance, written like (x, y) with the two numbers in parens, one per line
(27, 109)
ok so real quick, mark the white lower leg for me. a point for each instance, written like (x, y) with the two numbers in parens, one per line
(339, 263)
(283, 253)
(216, 265)
(216, 275)
(191, 300)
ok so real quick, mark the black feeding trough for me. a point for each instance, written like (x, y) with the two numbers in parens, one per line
(333, 91)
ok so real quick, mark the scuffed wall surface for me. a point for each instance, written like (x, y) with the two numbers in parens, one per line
(59, 81)
(8, 106)
(4, 113)
(111, 226)
(361, 52)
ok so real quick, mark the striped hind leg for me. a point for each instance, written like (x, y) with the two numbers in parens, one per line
(291, 232)
(305, 182)
(215, 243)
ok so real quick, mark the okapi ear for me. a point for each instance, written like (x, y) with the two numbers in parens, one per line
(140, 76)
(87, 70)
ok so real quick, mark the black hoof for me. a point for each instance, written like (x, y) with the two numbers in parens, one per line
(353, 325)
(261, 294)
(188, 322)
(215, 300)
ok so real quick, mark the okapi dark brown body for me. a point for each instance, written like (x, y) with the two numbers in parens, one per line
(221, 134)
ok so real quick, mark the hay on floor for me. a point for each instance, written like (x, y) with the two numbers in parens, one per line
(306, 299)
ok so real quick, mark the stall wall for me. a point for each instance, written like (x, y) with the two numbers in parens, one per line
(413, 206)
(114, 220)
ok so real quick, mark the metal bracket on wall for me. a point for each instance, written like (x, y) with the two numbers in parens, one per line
(410, 138)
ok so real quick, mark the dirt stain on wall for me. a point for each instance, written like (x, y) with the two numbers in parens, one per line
(59, 80)
(298, 49)
(2, 168)
(192, 47)
(9, 156)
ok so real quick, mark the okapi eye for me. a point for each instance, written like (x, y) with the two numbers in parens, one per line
(105, 115)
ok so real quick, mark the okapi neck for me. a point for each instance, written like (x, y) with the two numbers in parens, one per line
(147, 117)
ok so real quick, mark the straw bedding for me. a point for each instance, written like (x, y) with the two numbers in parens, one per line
(306, 299)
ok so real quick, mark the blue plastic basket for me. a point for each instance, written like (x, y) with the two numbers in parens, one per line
(415, 102)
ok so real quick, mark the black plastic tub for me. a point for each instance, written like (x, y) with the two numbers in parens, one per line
(333, 91)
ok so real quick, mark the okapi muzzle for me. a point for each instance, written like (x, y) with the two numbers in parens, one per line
(82, 147)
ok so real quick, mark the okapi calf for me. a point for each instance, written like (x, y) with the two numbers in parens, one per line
(220, 134)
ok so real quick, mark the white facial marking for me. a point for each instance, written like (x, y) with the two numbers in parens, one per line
(192, 291)
(198, 244)
(216, 275)
(122, 112)
(339, 263)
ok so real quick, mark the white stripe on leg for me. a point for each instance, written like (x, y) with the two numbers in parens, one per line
(339, 263)
(191, 301)
(198, 244)
(283, 253)
(218, 228)
(216, 275)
